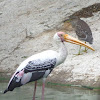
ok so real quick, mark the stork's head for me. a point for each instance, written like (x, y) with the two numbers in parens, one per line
(59, 36)
(63, 37)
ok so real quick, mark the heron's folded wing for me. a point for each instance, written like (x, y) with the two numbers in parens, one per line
(81, 32)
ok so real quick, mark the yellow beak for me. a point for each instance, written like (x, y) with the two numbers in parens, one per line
(70, 39)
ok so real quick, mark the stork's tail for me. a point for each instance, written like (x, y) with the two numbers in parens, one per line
(5, 91)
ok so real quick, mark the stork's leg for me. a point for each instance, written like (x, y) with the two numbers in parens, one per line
(43, 86)
(34, 90)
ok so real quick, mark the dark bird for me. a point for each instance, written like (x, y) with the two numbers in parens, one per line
(82, 30)
(40, 65)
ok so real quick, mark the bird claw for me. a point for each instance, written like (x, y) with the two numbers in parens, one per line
(85, 50)
(78, 54)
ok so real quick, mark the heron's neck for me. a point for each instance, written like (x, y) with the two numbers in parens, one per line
(62, 53)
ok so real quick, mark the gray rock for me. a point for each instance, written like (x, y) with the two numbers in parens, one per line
(27, 27)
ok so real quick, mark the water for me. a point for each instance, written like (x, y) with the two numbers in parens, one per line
(51, 93)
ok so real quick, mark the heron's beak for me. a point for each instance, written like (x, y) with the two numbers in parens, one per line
(67, 20)
(70, 39)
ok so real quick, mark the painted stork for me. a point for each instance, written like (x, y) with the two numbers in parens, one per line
(40, 65)
(82, 30)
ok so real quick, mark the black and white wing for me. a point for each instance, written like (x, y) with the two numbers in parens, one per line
(38, 65)
(33, 71)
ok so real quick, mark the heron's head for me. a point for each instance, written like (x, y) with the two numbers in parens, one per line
(63, 37)
(72, 19)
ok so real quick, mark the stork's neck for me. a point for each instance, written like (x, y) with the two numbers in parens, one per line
(62, 53)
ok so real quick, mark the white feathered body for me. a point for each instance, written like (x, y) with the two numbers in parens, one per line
(36, 67)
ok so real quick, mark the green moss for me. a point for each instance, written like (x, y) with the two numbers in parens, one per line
(4, 79)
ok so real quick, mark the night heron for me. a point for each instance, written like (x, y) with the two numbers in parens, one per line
(82, 30)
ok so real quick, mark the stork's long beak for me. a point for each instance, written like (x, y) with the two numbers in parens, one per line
(70, 39)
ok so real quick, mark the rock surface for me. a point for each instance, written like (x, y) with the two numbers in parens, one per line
(27, 27)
